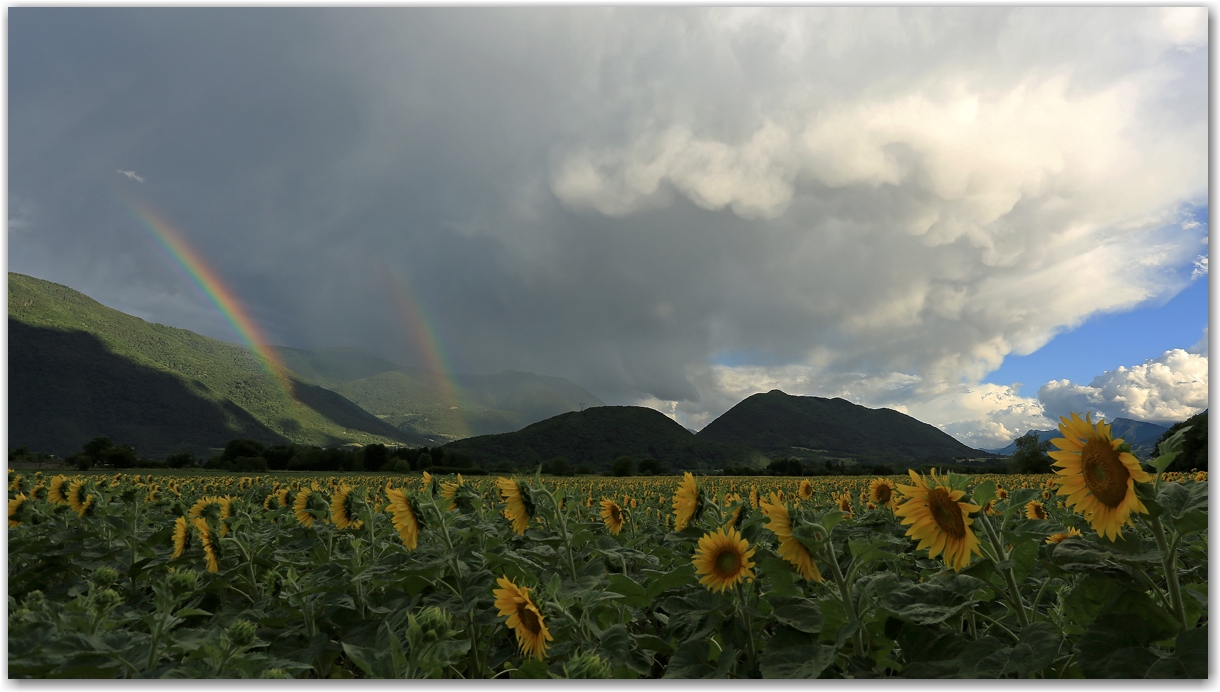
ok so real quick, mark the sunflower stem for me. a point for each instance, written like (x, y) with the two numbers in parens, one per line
(1169, 559)
(845, 595)
(1014, 594)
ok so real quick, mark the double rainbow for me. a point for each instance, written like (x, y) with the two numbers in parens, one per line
(180, 252)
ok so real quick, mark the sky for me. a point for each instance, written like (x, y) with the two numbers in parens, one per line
(984, 217)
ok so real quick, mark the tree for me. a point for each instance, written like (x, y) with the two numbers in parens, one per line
(1194, 444)
(1030, 455)
(652, 467)
(558, 466)
(244, 447)
(180, 460)
(623, 466)
(95, 447)
(375, 457)
(121, 457)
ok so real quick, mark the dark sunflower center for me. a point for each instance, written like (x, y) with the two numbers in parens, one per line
(727, 562)
(1039, 512)
(615, 515)
(946, 513)
(528, 619)
(1104, 473)
(883, 493)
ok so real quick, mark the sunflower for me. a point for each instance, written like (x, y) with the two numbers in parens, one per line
(449, 491)
(14, 506)
(404, 518)
(223, 509)
(270, 502)
(429, 486)
(520, 505)
(845, 506)
(301, 507)
(1072, 532)
(182, 537)
(1098, 479)
(1201, 477)
(612, 516)
(723, 557)
(754, 498)
(341, 508)
(938, 521)
(78, 500)
(806, 489)
(1035, 510)
(208, 541)
(687, 502)
(524, 618)
(56, 492)
(881, 491)
(780, 523)
(284, 496)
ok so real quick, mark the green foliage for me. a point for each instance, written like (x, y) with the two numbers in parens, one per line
(82, 370)
(1031, 455)
(1193, 454)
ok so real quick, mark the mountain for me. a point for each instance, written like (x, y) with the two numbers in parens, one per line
(1141, 435)
(597, 436)
(79, 370)
(439, 408)
(779, 424)
(1194, 444)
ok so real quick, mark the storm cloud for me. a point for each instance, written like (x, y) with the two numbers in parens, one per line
(674, 207)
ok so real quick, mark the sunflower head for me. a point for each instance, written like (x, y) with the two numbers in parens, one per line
(15, 514)
(343, 508)
(881, 491)
(182, 537)
(57, 493)
(309, 507)
(806, 489)
(753, 498)
(519, 503)
(1035, 510)
(1072, 532)
(524, 617)
(781, 523)
(210, 543)
(723, 558)
(79, 498)
(1097, 477)
(612, 516)
(938, 520)
(404, 517)
(688, 502)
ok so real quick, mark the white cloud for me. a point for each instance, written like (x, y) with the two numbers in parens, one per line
(1201, 346)
(1185, 26)
(984, 416)
(1166, 389)
(1200, 267)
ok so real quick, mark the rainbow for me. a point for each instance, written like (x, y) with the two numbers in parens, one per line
(180, 252)
(427, 343)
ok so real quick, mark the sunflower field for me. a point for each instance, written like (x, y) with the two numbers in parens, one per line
(1099, 570)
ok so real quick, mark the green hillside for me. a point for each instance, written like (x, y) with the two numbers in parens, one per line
(419, 402)
(597, 436)
(78, 369)
(779, 424)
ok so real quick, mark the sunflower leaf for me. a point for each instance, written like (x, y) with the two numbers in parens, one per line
(1189, 658)
(931, 602)
(792, 654)
(690, 661)
(798, 613)
(1116, 646)
(983, 493)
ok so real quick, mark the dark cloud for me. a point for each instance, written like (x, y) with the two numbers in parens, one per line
(673, 206)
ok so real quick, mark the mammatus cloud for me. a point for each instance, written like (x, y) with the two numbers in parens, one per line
(1164, 390)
